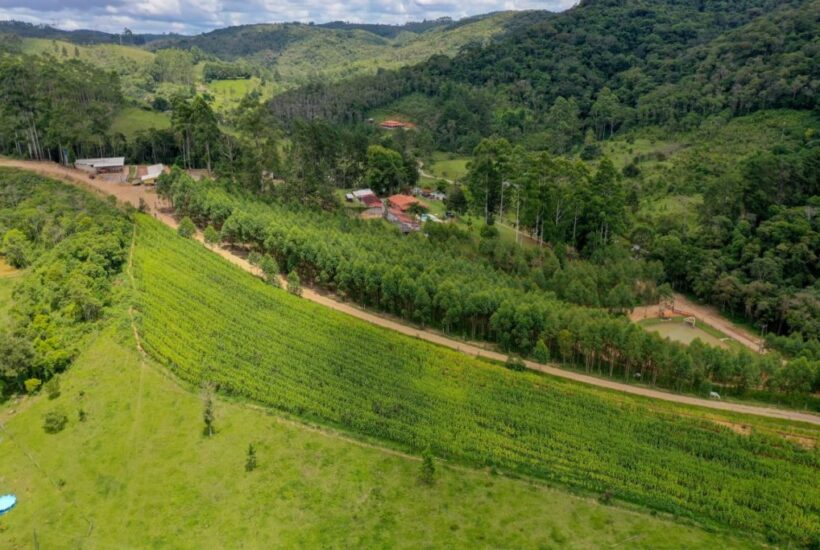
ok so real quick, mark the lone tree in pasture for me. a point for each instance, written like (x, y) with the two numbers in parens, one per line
(54, 421)
(208, 416)
(294, 283)
(250, 459)
(428, 468)
(186, 228)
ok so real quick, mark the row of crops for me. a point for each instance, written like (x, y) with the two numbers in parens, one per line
(208, 321)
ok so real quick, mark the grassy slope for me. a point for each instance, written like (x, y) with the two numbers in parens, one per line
(336, 54)
(108, 56)
(140, 472)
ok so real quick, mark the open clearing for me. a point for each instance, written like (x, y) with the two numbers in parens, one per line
(132, 120)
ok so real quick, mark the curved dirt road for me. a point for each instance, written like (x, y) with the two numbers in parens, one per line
(132, 195)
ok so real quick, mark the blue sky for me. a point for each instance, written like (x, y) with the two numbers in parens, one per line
(194, 16)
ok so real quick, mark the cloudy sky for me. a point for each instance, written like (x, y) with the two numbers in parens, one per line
(193, 16)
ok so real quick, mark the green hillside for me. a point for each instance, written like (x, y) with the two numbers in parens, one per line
(269, 346)
(138, 468)
(129, 463)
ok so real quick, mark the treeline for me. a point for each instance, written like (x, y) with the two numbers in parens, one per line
(442, 286)
(73, 246)
(756, 250)
(50, 110)
(555, 199)
(224, 71)
(596, 68)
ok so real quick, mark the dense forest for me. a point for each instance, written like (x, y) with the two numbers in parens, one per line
(47, 108)
(599, 67)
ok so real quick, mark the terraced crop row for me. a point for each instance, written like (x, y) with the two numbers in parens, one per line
(208, 321)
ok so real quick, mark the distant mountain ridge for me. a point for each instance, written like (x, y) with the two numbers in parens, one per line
(81, 37)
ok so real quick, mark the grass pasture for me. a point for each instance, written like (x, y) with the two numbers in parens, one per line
(677, 331)
(131, 120)
(228, 93)
(450, 168)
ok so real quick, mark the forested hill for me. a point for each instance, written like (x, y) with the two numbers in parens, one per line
(617, 64)
(84, 36)
(266, 41)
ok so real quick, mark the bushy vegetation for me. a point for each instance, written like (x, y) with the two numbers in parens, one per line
(75, 246)
(451, 284)
(209, 322)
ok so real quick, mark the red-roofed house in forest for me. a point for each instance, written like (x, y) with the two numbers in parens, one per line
(405, 202)
(372, 203)
(396, 125)
(405, 222)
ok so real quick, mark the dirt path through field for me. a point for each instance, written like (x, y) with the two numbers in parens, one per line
(132, 194)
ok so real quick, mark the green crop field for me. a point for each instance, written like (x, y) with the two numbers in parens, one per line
(208, 321)
(138, 468)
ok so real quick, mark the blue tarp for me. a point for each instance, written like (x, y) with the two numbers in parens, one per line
(7, 502)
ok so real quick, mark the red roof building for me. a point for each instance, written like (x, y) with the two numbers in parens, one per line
(406, 223)
(395, 125)
(371, 201)
(404, 202)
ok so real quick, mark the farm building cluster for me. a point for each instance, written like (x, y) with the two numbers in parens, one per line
(407, 212)
(115, 170)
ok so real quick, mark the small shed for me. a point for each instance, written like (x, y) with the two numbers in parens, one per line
(152, 173)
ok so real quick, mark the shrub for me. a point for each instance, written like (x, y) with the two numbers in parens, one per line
(186, 228)
(54, 421)
(32, 385)
(52, 388)
(515, 363)
(211, 235)
(294, 284)
(428, 468)
(250, 459)
(541, 353)
(16, 248)
(270, 268)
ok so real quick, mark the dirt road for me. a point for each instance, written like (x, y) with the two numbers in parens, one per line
(131, 194)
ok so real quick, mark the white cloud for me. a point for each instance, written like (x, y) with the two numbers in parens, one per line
(194, 16)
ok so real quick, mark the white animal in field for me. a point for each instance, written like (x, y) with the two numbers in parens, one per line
(714, 395)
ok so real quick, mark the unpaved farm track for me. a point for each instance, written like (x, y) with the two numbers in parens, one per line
(131, 194)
